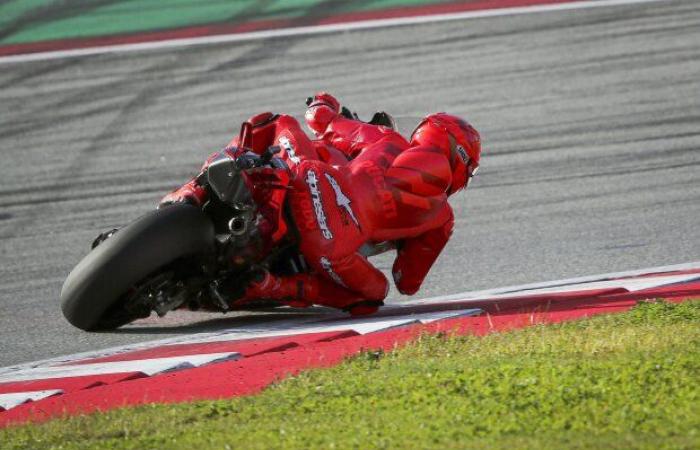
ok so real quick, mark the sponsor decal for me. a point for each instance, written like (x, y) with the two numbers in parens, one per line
(306, 217)
(328, 267)
(289, 148)
(462, 153)
(312, 181)
(342, 200)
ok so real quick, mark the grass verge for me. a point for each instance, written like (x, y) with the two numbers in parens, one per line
(623, 381)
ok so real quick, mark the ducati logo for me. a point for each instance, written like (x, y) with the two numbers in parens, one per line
(312, 181)
(328, 267)
(342, 200)
(289, 148)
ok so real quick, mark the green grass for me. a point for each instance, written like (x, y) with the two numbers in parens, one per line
(617, 381)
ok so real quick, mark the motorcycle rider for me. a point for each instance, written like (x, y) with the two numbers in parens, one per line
(390, 190)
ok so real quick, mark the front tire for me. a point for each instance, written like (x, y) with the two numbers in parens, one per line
(101, 279)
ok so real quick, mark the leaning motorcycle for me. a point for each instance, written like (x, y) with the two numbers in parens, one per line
(184, 256)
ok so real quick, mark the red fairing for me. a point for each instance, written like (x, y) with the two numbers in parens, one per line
(265, 130)
(279, 130)
(269, 189)
(190, 192)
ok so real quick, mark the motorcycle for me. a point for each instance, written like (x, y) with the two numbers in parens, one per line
(184, 256)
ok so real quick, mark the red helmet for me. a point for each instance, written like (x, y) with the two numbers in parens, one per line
(459, 140)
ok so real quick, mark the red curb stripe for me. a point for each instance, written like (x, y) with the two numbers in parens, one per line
(220, 29)
(68, 384)
(430, 10)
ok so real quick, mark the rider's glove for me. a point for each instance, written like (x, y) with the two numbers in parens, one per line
(323, 108)
(323, 98)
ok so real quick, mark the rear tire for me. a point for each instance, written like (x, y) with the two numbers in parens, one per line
(98, 283)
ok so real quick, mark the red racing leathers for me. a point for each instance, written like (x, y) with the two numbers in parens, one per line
(390, 191)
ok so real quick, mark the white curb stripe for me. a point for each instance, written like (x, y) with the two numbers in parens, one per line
(319, 29)
(364, 325)
(9, 401)
(146, 366)
(631, 285)
(570, 284)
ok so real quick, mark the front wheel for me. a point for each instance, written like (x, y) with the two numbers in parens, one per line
(94, 288)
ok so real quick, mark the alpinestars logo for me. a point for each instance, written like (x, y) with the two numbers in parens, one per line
(328, 267)
(341, 199)
(312, 181)
(289, 148)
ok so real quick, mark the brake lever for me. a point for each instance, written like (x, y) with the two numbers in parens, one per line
(271, 151)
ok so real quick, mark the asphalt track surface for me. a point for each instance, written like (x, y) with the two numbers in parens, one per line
(589, 121)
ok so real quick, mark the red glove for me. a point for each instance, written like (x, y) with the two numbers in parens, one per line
(323, 108)
(323, 98)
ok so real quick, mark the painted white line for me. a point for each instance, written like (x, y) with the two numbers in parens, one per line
(9, 401)
(631, 285)
(146, 366)
(319, 29)
(555, 286)
(640, 284)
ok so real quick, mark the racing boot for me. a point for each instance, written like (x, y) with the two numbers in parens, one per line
(294, 290)
(302, 291)
(383, 119)
(380, 118)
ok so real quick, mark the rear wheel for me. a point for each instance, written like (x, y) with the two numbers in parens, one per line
(94, 293)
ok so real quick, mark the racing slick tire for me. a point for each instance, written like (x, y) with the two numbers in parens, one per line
(105, 275)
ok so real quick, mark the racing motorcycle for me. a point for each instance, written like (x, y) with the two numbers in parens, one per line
(186, 256)
(181, 255)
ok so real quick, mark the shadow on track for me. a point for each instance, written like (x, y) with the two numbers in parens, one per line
(259, 319)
